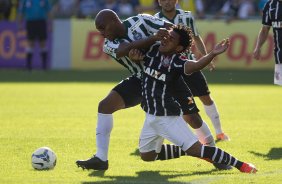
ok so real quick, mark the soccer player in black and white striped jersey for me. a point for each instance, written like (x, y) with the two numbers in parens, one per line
(197, 81)
(163, 65)
(119, 36)
(272, 17)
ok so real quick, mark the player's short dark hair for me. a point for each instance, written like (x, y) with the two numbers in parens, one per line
(185, 34)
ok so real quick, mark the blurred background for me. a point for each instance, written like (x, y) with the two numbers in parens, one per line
(74, 44)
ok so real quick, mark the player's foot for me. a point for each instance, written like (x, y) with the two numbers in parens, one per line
(222, 166)
(93, 163)
(248, 168)
(222, 137)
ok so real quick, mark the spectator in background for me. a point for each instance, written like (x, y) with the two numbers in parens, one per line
(88, 8)
(110, 4)
(237, 9)
(212, 6)
(65, 8)
(36, 14)
(125, 8)
(5, 9)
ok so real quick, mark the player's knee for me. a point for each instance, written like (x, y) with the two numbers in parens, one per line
(148, 157)
(194, 120)
(105, 107)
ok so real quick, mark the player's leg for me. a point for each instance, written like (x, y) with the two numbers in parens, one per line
(212, 112)
(185, 139)
(31, 36)
(42, 36)
(199, 87)
(126, 94)
(149, 142)
(217, 155)
(191, 116)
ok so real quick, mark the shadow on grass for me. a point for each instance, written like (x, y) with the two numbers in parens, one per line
(218, 76)
(273, 154)
(143, 177)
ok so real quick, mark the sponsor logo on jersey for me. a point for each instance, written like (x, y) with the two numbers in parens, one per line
(109, 50)
(277, 24)
(155, 74)
(166, 62)
(190, 100)
(137, 35)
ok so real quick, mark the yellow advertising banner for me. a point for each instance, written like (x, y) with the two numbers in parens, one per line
(242, 35)
(87, 45)
(87, 48)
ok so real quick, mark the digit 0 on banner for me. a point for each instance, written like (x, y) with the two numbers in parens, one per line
(242, 35)
(87, 48)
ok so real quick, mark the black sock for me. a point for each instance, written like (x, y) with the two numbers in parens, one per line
(44, 59)
(217, 155)
(170, 151)
(29, 56)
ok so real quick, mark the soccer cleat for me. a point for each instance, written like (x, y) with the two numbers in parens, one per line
(93, 163)
(222, 166)
(222, 137)
(248, 168)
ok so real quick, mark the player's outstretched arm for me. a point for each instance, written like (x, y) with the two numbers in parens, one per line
(191, 66)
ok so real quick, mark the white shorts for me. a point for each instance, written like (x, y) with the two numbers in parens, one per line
(158, 128)
(278, 74)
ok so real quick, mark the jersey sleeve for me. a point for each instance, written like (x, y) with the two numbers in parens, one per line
(179, 63)
(265, 15)
(151, 23)
(110, 47)
(190, 22)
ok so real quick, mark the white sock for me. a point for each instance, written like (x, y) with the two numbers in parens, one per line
(204, 135)
(212, 112)
(103, 132)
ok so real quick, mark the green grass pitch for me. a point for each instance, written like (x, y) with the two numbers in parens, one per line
(59, 110)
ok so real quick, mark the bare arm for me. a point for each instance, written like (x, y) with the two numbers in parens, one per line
(260, 41)
(124, 48)
(200, 45)
(191, 66)
(202, 49)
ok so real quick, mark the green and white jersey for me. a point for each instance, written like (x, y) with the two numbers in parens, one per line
(181, 17)
(138, 27)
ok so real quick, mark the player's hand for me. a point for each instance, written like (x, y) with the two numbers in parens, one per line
(256, 53)
(135, 55)
(162, 33)
(221, 47)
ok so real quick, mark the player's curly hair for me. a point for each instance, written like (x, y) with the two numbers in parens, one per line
(185, 34)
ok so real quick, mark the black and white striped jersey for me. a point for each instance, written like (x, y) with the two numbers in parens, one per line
(159, 82)
(138, 27)
(272, 16)
(182, 17)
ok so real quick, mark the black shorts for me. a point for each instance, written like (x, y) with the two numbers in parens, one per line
(36, 30)
(197, 84)
(130, 89)
(184, 97)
